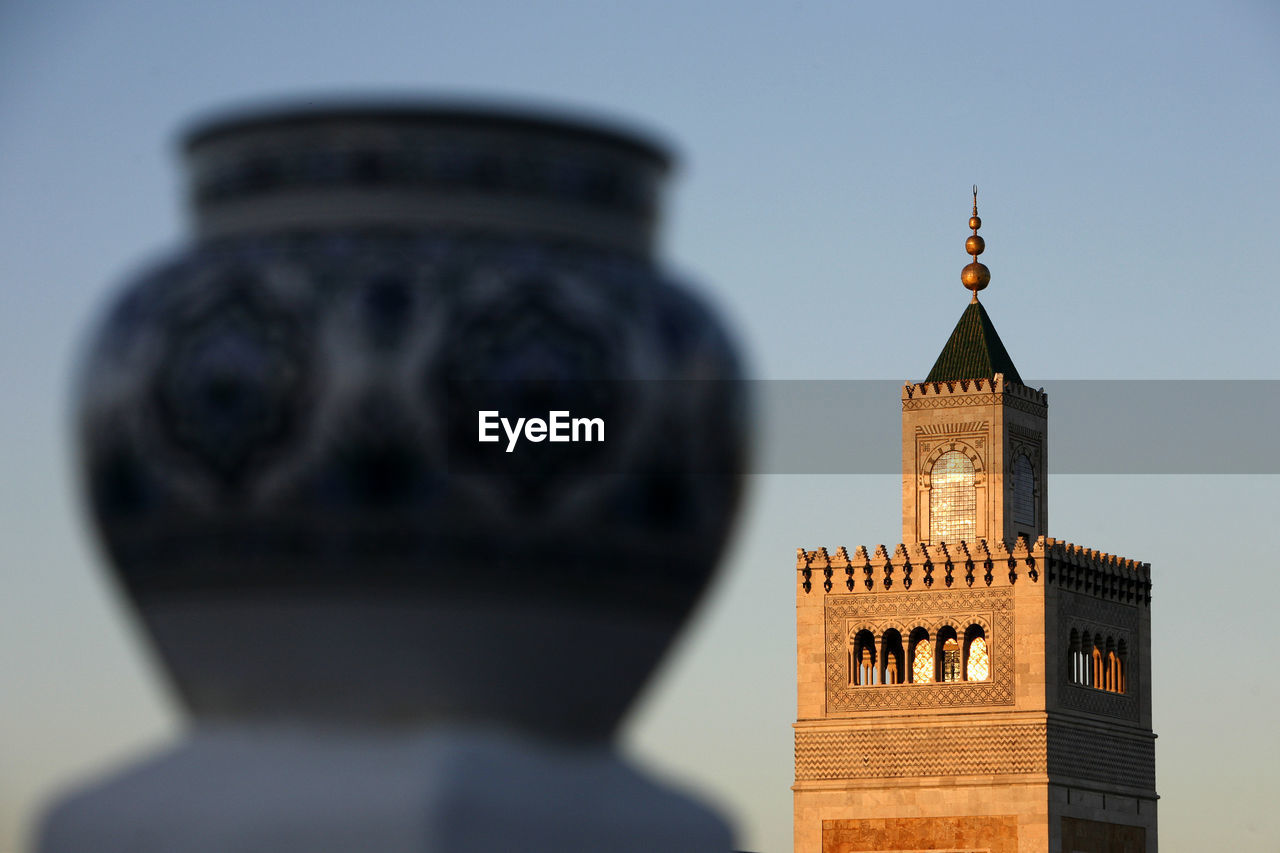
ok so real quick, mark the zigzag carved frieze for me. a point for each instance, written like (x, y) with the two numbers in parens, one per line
(1114, 758)
(991, 607)
(889, 753)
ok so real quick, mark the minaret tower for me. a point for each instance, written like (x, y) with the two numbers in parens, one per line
(972, 431)
(980, 686)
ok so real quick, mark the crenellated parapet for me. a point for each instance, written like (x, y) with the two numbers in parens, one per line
(921, 566)
(1097, 573)
(974, 392)
(981, 563)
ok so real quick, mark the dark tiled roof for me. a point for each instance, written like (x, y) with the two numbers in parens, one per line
(973, 351)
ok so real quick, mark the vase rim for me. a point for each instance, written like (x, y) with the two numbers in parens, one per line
(298, 113)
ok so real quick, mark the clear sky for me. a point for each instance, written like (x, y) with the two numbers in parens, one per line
(1130, 192)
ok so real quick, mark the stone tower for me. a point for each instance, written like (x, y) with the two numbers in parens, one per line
(979, 686)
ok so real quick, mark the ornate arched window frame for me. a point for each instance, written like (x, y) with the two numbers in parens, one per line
(977, 628)
(1122, 662)
(920, 634)
(948, 631)
(892, 657)
(979, 485)
(1029, 455)
(1075, 659)
(862, 656)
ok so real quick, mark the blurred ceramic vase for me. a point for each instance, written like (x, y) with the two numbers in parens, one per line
(280, 425)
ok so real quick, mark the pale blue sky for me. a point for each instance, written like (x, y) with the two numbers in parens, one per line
(1130, 190)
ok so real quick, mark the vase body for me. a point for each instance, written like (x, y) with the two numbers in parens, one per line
(280, 435)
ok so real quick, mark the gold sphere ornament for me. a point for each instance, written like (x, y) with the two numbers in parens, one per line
(975, 276)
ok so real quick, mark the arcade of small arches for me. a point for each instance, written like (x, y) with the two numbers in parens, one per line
(920, 656)
(1098, 660)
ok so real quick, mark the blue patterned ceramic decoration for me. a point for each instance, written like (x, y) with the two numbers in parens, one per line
(286, 411)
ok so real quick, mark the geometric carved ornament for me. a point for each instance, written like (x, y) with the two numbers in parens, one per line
(846, 614)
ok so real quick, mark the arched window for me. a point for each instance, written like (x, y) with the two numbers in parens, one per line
(891, 658)
(921, 657)
(949, 663)
(1122, 661)
(1097, 661)
(1075, 660)
(951, 660)
(1023, 490)
(1108, 649)
(977, 661)
(953, 499)
(1086, 660)
(862, 659)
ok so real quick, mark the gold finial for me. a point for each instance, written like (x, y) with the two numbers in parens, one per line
(975, 276)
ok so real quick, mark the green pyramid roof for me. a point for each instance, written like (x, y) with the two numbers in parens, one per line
(973, 351)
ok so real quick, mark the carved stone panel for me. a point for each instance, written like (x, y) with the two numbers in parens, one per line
(1107, 618)
(1080, 834)
(892, 753)
(1113, 758)
(991, 608)
(948, 402)
(952, 834)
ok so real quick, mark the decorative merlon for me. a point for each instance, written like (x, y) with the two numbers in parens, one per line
(922, 392)
(1079, 555)
(981, 561)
